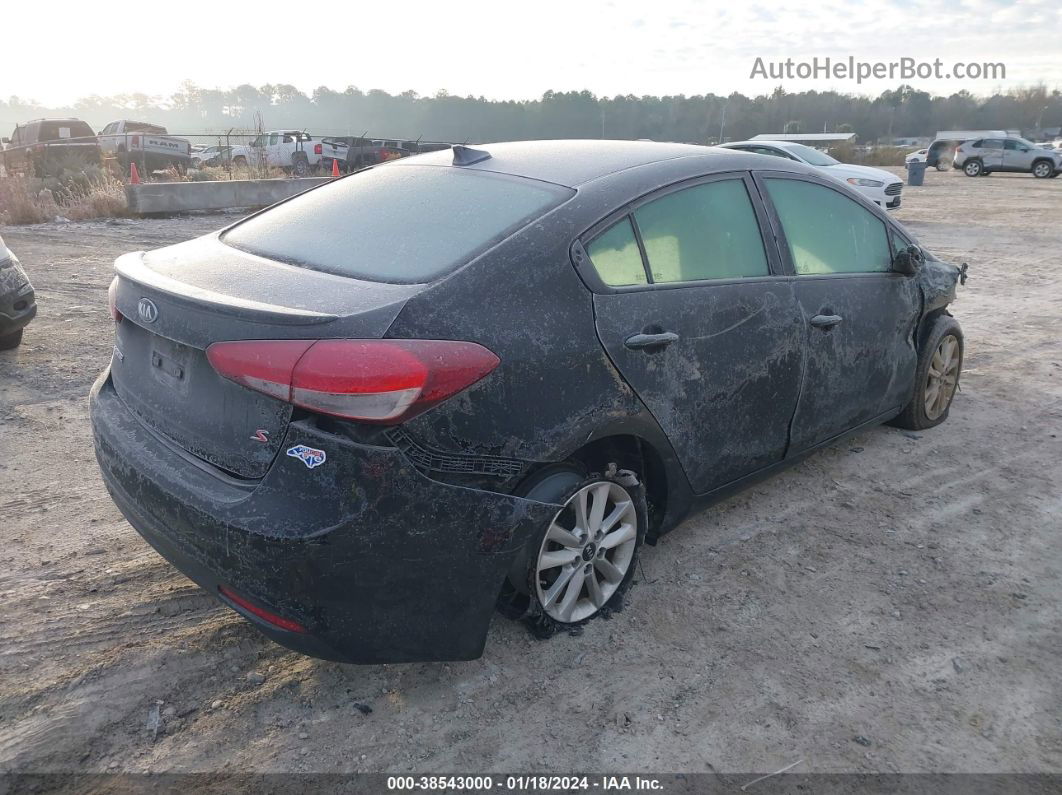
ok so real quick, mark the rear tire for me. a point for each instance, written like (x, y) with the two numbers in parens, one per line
(300, 166)
(973, 168)
(936, 376)
(580, 565)
(10, 341)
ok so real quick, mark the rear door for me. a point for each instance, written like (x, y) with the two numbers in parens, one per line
(859, 316)
(693, 312)
(991, 153)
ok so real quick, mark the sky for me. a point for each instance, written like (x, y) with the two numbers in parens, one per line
(515, 50)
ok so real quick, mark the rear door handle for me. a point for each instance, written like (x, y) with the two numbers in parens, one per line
(649, 341)
(826, 321)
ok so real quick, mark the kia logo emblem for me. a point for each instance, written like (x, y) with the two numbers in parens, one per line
(147, 310)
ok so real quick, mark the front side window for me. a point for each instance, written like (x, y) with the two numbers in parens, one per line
(616, 257)
(826, 231)
(992, 143)
(708, 231)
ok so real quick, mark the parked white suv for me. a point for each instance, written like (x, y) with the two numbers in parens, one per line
(879, 186)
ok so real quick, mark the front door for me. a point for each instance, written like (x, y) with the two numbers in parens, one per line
(859, 315)
(695, 315)
(1017, 155)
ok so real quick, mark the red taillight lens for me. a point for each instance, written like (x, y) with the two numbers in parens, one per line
(266, 615)
(112, 301)
(134, 141)
(317, 149)
(384, 381)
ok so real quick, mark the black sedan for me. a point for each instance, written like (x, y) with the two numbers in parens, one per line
(18, 305)
(365, 417)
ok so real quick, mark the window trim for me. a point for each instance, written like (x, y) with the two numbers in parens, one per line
(760, 178)
(586, 270)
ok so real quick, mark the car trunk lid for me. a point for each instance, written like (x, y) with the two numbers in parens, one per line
(177, 301)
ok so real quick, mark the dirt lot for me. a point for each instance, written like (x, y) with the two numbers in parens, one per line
(898, 588)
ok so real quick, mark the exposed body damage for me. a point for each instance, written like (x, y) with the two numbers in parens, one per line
(390, 541)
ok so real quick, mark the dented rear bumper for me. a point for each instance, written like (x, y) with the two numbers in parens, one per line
(376, 561)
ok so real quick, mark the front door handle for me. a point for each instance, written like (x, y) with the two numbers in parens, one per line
(651, 341)
(826, 321)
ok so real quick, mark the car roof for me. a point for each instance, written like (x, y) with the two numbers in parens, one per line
(576, 162)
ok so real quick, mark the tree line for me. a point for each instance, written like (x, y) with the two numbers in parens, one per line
(902, 112)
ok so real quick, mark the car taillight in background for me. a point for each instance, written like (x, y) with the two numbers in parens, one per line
(134, 141)
(379, 381)
(112, 301)
(317, 149)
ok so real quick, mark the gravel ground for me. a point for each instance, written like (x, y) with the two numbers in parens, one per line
(891, 604)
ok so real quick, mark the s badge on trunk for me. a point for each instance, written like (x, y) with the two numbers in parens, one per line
(261, 435)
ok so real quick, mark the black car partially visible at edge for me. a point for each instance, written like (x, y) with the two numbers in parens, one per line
(366, 417)
(18, 305)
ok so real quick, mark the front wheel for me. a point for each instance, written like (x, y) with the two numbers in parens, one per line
(936, 376)
(1042, 169)
(973, 168)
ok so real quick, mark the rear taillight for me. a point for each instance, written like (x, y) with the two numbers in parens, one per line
(317, 149)
(134, 141)
(382, 381)
(112, 301)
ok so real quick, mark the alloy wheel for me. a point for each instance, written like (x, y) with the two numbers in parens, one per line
(943, 377)
(587, 552)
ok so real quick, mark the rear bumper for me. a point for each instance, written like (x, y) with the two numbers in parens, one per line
(376, 561)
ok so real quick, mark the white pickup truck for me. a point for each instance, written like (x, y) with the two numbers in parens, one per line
(292, 150)
(148, 145)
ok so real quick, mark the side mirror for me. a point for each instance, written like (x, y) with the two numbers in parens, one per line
(908, 261)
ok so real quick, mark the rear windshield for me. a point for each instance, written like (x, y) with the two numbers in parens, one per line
(398, 224)
(58, 130)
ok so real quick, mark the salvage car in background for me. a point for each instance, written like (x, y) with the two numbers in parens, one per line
(292, 150)
(881, 187)
(212, 156)
(17, 303)
(354, 153)
(45, 147)
(367, 415)
(982, 156)
(148, 145)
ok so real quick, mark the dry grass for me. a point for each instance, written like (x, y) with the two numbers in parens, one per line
(78, 197)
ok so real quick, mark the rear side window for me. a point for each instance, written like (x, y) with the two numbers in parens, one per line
(616, 257)
(398, 224)
(828, 232)
(708, 231)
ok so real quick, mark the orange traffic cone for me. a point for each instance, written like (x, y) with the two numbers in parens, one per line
(335, 167)
(134, 175)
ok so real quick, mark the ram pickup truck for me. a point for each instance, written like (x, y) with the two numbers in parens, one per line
(354, 153)
(292, 150)
(148, 145)
(45, 147)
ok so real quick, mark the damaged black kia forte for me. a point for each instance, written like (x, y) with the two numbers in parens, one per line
(366, 417)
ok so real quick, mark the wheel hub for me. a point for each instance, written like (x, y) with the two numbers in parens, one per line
(587, 552)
